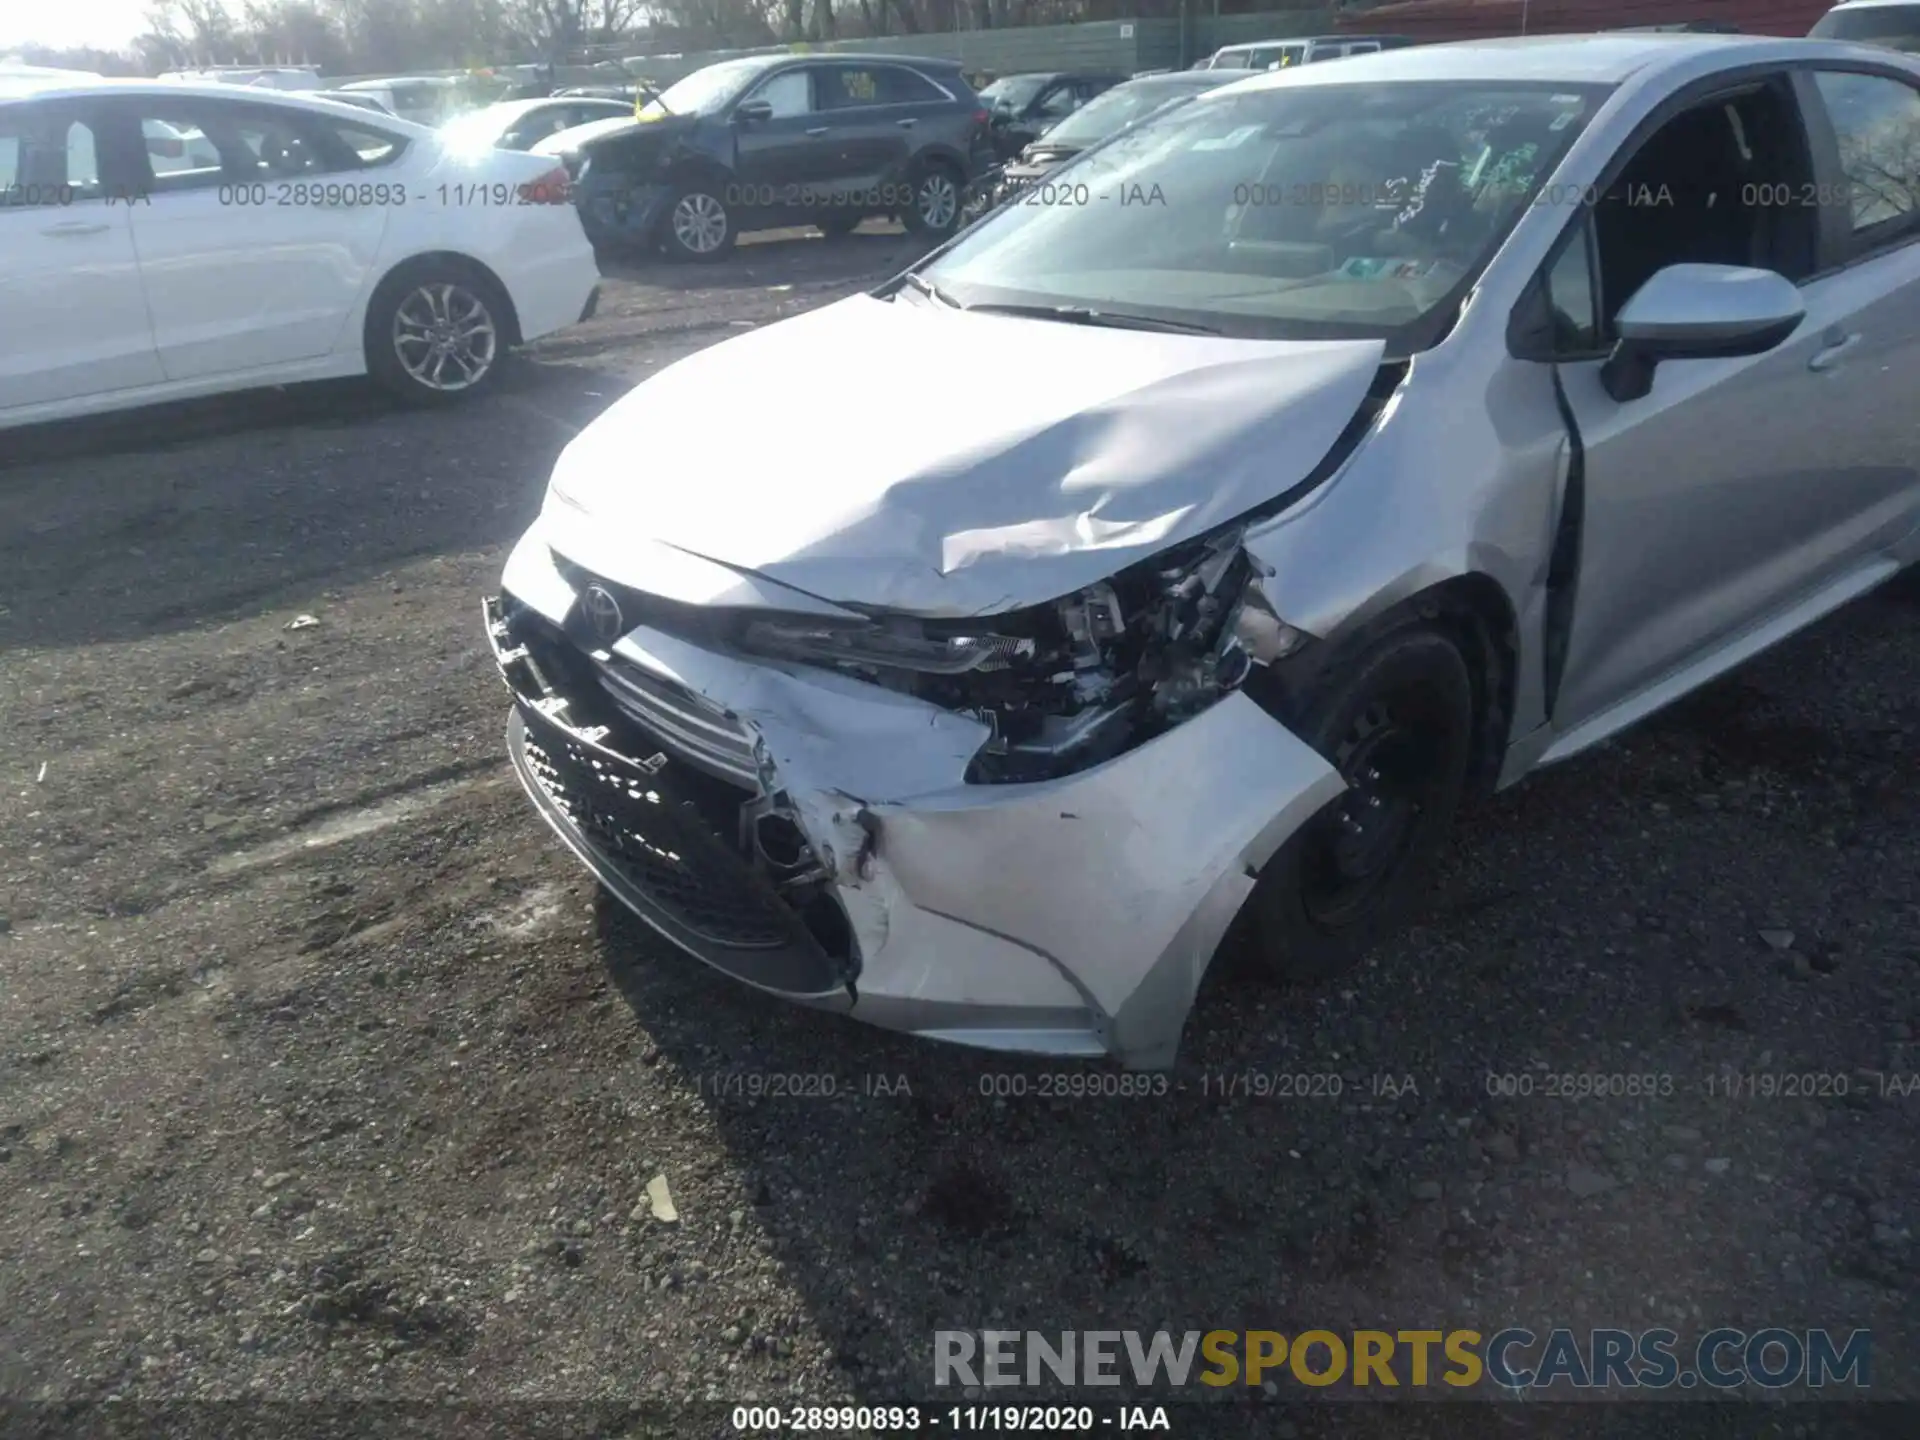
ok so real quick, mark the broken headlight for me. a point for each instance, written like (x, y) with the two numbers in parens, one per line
(1066, 685)
(880, 645)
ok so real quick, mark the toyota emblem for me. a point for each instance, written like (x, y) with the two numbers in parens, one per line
(602, 614)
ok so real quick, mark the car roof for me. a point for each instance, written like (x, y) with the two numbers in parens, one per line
(513, 109)
(1180, 80)
(14, 87)
(856, 57)
(382, 84)
(1297, 40)
(1605, 59)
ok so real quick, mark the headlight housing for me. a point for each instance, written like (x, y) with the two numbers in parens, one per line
(1068, 684)
(878, 646)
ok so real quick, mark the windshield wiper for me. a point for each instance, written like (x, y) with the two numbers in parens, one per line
(1086, 315)
(932, 291)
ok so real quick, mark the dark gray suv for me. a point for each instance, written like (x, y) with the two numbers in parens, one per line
(777, 140)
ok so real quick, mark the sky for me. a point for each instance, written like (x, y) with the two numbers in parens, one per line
(108, 24)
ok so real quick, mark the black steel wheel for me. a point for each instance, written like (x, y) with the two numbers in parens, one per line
(1397, 722)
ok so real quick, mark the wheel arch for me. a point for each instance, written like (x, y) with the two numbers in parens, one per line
(402, 271)
(1474, 610)
(940, 153)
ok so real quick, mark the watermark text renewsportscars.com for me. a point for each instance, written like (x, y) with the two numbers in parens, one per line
(1510, 1358)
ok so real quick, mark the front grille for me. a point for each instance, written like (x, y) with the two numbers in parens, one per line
(687, 725)
(662, 846)
(662, 836)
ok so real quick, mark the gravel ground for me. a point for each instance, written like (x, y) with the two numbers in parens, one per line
(324, 1073)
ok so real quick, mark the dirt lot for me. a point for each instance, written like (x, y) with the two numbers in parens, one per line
(324, 1074)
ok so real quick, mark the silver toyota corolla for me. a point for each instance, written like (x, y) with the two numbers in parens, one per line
(1179, 550)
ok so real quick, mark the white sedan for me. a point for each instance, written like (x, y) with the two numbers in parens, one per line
(322, 242)
(521, 124)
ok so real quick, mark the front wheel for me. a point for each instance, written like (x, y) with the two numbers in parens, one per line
(1397, 722)
(436, 334)
(935, 211)
(698, 226)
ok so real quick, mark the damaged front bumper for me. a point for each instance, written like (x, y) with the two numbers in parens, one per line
(814, 836)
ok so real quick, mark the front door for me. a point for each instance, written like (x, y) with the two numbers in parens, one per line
(257, 263)
(73, 317)
(1737, 488)
(782, 160)
(874, 111)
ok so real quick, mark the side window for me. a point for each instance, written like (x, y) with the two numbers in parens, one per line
(1877, 122)
(1058, 102)
(901, 86)
(369, 147)
(46, 159)
(1696, 191)
(1570, 296)
(83, 161)
(843, 87)
(790, 93)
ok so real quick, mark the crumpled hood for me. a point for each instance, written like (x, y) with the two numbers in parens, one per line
(933, 461)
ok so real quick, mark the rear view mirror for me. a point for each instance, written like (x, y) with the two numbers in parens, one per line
(1699, 312)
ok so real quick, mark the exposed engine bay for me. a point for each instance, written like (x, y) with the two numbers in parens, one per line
(1064, 686)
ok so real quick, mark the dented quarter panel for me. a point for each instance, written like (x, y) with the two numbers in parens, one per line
(1406, 513)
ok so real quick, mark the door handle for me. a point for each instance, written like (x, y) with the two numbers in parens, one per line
(904, 124)
(1828, 356)
(818, 130)
(76, 227)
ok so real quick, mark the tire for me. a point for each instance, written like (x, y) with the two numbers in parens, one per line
(1397, 721)
(697, 226)
(937, 197)
(835, 226)
(437, 333)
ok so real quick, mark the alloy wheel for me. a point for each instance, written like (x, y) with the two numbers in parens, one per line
(699, 223)
(938, 200)
(444, 336)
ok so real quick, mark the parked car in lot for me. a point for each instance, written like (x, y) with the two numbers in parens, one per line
(359, 99)
(1025, 107)
(522, 124)
(776, 140)
(1103, 117)
(423, 99)
(316, 241)
(1414, 448)
(1300, 50)
(1892, 23)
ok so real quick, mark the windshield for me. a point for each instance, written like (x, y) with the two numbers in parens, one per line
(1016, 92)
(703, 91)
(1290, 212)
(1112, 112)
(1897, 27)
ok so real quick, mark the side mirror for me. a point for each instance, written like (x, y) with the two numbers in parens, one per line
(752, 112)
(1699, 312)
